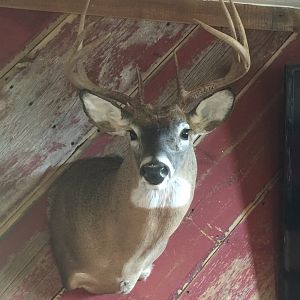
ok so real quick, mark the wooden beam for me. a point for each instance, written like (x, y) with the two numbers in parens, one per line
(253, 16)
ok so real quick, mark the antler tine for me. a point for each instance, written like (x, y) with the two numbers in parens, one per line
(76, 73)
(181, 90)
(240, 64)
(82, 21)
(240, 26)
(71, 62)
(229, 20)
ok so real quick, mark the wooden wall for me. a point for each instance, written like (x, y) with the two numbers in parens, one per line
(228, 242)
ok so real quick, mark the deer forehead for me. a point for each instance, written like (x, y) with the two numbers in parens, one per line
(160, 122)
(158, 115)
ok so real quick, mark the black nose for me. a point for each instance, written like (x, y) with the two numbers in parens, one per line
(154, 172)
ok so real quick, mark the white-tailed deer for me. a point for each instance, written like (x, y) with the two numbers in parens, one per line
(110, 218)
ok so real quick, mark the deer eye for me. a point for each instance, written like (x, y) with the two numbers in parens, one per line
(133, 135)
(184, 134)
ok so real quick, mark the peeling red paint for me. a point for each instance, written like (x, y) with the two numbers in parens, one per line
(18, 28)
(246, 266)
(55, 146)
(10, 163)
(35, 161)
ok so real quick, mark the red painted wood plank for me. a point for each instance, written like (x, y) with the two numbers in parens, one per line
(188, 229)
(37, 284)
(18, 28)
(247, 264)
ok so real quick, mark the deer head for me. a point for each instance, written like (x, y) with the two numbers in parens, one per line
(161, 136)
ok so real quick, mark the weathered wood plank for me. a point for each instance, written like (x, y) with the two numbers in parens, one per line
(247, 264)
(163, 266)
(41, 120)
(253, 16)
(37, 282)
(20, 32)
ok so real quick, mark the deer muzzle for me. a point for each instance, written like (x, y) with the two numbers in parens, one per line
(154, 172)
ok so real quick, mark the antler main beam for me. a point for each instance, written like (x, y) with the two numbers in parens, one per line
(77, 75)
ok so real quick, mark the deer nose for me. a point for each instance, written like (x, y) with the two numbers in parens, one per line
(154, 172)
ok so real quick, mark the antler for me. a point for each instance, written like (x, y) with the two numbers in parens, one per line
(76, 73)
(240, 64)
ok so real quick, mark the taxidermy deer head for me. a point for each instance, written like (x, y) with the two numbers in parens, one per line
(111, 217)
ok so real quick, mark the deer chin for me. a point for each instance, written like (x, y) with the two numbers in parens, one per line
(173, 192)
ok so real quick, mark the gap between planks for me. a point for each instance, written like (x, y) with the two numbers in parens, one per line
(240, 219)
(37, 192)
(58, 295)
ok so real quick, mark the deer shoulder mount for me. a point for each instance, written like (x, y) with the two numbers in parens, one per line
(111, 218)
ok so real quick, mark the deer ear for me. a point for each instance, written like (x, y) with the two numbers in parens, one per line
(103, 114)
(211, 112)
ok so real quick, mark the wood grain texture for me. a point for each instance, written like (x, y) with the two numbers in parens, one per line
(253, 16)
(20, 32)
(41, 119)
(164, 81)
